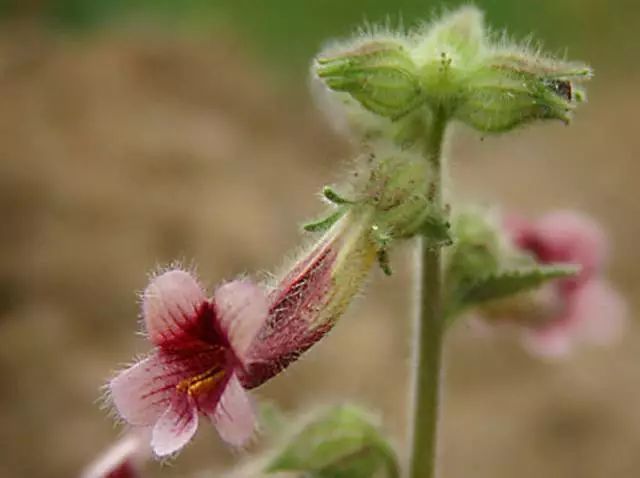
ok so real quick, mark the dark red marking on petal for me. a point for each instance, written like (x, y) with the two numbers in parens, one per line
(194, 333)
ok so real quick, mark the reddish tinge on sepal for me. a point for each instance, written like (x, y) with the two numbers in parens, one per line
(585, 308)
(200, 347)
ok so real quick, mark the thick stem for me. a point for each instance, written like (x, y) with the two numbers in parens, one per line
(428, 328)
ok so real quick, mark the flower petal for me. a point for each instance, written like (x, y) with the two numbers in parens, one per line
(233, 416)
(141, 393)
(176, 426)
(549, 343)
(123, 459)
(571, 237)
(595, 313)
(242, 308)
(600, 313)
(172, 305)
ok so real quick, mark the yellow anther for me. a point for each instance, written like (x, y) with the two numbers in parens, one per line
(201, 383)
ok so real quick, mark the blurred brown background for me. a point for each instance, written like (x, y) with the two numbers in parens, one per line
(130, 138)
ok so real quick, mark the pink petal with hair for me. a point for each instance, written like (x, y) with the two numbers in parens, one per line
(176, 426)
(172, 305)
(242, 308)
(141, 393)
(233, 415)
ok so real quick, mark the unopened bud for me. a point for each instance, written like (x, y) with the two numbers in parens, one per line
(453, 65)
(513, 89)
(380, 75)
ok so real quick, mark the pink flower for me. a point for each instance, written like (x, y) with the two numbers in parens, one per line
(200, 346)
(122, 460)
(584, 308)
(208, 350)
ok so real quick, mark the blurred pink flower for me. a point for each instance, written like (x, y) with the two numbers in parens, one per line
(124, 459)
(582, 308)
(200, 345)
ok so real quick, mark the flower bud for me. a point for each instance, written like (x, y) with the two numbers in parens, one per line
(512, 89)
(379, 74)
(453, 65)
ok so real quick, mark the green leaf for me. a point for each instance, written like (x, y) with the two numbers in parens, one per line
(506, 283)
(340, 443)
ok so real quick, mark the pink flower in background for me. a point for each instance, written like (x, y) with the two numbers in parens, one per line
(122, 460)
(585, 307)
(200, 345)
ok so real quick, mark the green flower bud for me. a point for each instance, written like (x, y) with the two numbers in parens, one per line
(379, 74)
(512, 89)
(452, 65)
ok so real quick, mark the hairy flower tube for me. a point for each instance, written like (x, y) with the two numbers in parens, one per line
(584, 308)
(566, 311)
(306, 303)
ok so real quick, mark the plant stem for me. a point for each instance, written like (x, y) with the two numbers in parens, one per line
(428, 327)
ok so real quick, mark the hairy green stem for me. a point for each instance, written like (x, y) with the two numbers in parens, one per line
(428, 327)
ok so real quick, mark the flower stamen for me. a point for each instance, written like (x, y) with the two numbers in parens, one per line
(201, 383)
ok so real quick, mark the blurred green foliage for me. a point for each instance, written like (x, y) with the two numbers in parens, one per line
(291, 31)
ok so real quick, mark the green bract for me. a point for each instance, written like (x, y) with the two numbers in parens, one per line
(456, 66)
(340, 443)
(482, 266)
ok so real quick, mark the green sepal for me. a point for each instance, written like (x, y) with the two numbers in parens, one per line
(499, 285)
(340, 443)
(379, 74)
(436, 230)
(324, 223)
(382, 240)
(332, 196)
